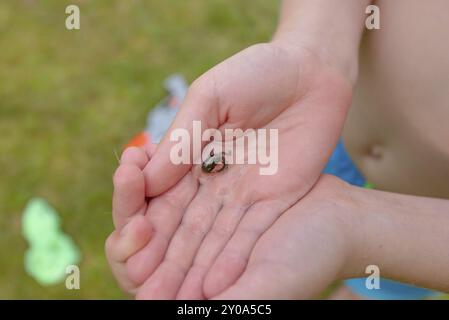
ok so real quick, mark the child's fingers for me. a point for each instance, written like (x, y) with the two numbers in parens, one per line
(129, 186)
(134, 236)
(227, 256)
(253, 284)
(133, 231)
(200, 104)
(129, 194)
(165, 213)
(135, 156)
(150, 149)
(121, 275)
(121, 245)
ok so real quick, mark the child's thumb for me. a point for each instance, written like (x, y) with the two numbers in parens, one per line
(182, 143)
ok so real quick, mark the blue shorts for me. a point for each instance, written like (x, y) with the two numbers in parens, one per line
(341, 165)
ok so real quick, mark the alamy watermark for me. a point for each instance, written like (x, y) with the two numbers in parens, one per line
(237, 146)
(72, 281)
(73, 21)
(372, 282)
(372, 22)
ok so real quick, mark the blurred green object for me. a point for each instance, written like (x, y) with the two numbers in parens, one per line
(368, 185)
(39, 221)
(51, 251)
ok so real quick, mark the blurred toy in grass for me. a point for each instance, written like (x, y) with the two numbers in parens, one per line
(160, 118)
(51, 251)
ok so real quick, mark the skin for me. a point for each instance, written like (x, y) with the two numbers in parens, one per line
(255, 86)
(334, 232)
(395, 127)
(227, 213)
(120, 246)
(396, 130)
(200, 224)
(178, 260)
(222, 216)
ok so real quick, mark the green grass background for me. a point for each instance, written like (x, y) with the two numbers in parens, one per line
(68, 99)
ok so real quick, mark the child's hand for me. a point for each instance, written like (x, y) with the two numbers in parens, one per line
(309, 234)
(268, 85)
(132, 230)
(265, 86)
(293, 256)
(307, 248)
(135, 249)
(258, 87)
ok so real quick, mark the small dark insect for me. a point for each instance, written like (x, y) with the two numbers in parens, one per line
(215, 163)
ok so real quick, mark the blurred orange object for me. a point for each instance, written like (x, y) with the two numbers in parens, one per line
(139, 140)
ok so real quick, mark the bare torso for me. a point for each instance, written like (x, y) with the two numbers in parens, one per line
(397, 130)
